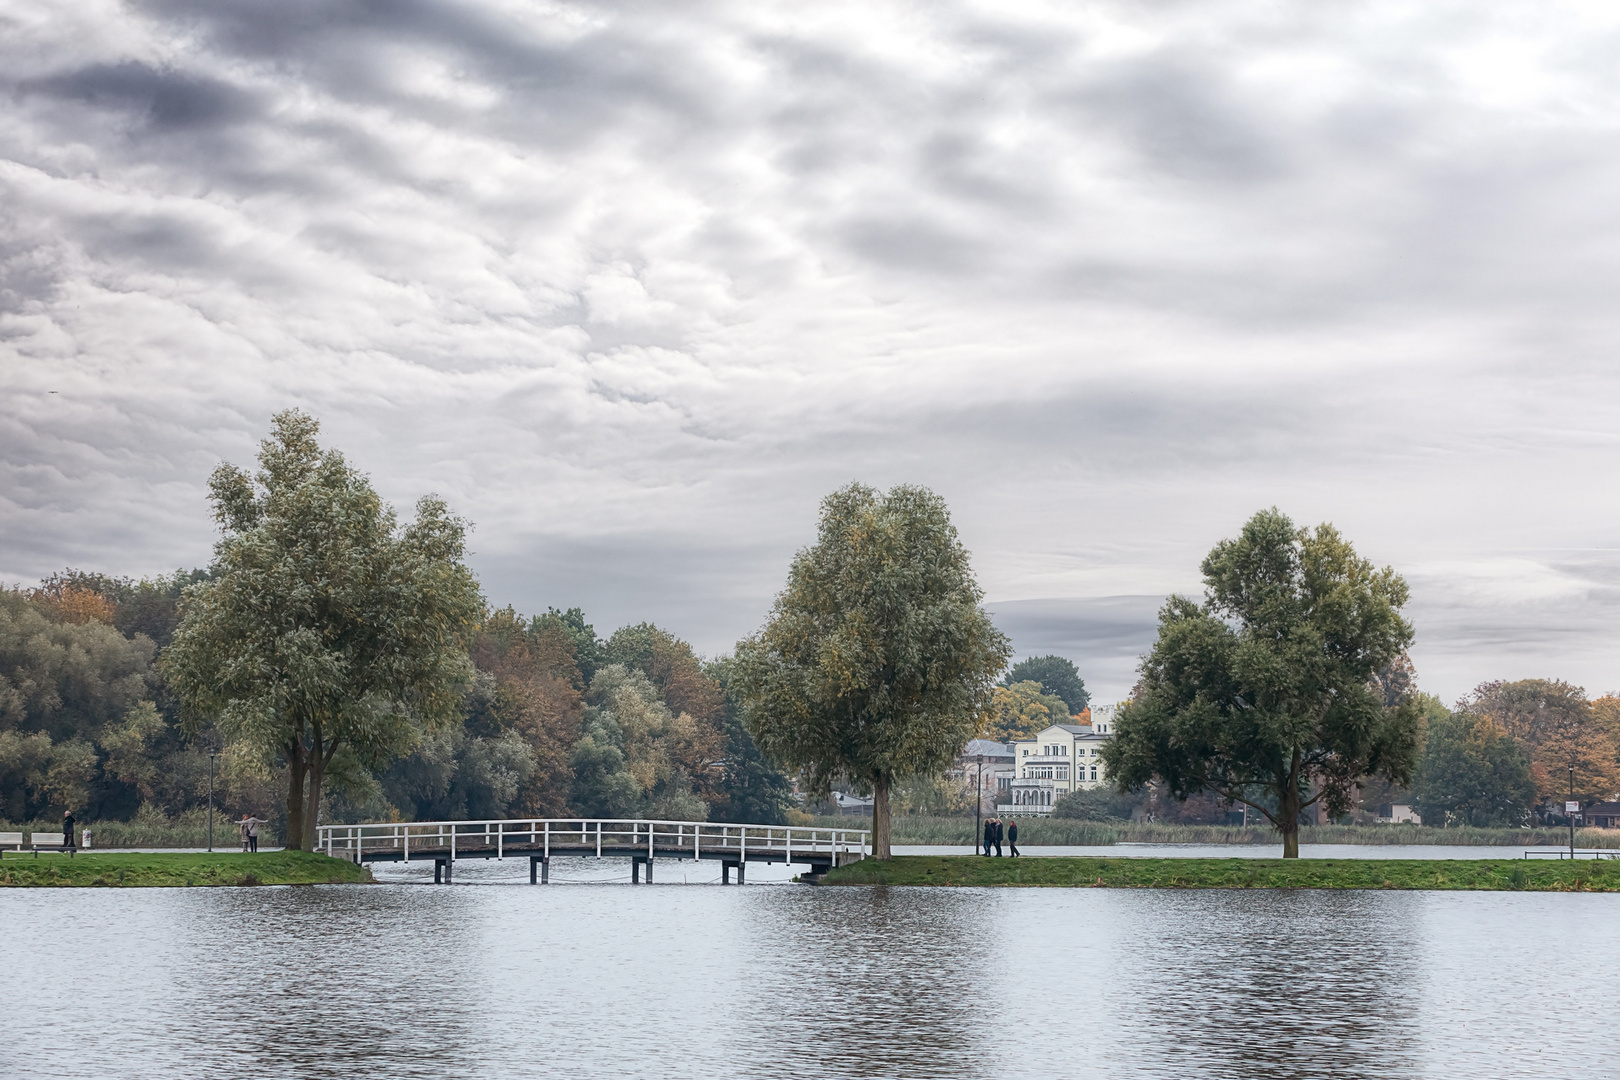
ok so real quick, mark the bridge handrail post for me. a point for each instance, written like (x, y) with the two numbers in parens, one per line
(500, 836)
(598, 839)
(452, 842)
(742, 843)
(405, 841)
(548, 838)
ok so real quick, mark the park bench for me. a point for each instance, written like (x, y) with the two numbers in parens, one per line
(47, 841)
(11, 840)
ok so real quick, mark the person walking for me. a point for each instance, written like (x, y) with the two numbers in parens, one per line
(67, 831)
(1012, 835)
(989, 828)
(997, 840)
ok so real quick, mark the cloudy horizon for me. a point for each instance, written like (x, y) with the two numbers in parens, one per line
(634, 286)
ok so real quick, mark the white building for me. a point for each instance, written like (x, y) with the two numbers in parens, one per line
(1058, 760)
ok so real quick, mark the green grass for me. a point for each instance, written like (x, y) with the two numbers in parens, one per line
(135, 869)
(1534, 875)
(1046, 832)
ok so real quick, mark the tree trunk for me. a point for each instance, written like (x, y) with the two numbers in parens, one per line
(312, 808)
(880, 818)
(294, 840)
(1289, 807)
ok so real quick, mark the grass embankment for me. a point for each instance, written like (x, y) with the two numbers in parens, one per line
(135, 869)
(1049, 832)
(1126, 873)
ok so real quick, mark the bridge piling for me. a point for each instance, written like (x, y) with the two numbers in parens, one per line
(543, 865)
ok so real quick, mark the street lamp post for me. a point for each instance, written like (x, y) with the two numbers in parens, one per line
(1569, 811)
(978, 804)
(211, 755)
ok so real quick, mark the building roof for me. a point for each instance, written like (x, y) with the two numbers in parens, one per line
(1075, 729)
(987, 748)
(1603, 808)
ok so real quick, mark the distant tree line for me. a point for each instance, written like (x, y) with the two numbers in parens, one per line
(554, 721)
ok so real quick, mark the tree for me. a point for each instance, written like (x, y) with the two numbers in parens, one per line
(1558, 728)
(752, 791)
(1473, 773)
(635, 756)
(1057, 676)
(327, 628)
(877, 661)
(1267, 693)
(1020, 710)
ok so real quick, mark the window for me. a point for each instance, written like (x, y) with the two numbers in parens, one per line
(1094, 773)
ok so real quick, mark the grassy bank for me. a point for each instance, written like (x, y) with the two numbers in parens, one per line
(1123, 873)
(1049, 832)
(134, 869)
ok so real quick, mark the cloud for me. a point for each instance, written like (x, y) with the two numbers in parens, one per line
(633, 286)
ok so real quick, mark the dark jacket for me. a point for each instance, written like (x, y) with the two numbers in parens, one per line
(996, 838)
(67, 829)
(1012, 833)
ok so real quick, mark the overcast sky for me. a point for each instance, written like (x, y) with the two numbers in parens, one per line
(634, 285)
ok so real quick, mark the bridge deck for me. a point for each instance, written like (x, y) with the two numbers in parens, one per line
(539, 840)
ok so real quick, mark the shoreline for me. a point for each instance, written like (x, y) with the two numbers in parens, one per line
(174, 869)
(1059, 871)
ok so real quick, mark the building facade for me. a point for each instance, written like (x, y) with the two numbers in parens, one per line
(1056, 761)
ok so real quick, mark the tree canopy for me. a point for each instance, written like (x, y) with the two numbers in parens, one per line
(1057, 676)
(1020, 710)
(1267, 694)
(1473, 772)
(877, 662)
(327, 628)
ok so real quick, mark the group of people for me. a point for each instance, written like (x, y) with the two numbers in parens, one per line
(994, 832)
(250, 831)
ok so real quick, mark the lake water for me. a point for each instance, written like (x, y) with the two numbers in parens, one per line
(595, 978)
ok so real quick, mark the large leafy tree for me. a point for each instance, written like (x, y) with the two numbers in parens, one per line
(1558, 729)
(327, 628)
(1473, 773)
(1268, 693)
(1057, 675)
(877, 662)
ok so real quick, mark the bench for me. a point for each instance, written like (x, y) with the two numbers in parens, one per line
(11, 840)
(47, 841)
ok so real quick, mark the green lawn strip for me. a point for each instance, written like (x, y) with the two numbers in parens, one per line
(133, 869)
(1534, 875)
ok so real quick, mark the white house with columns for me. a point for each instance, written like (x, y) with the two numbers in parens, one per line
(1054, 762)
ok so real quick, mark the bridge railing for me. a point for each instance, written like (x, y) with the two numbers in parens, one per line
(530, 836)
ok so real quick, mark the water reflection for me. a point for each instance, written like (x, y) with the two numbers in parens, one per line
(878, 982)
(673, 981)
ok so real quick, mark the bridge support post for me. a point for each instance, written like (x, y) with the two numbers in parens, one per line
(742, 869)
(725, 873)
(543, 865)
(438, 871)
(635, 871)
(649, 869)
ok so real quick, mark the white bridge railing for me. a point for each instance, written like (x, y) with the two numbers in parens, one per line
(575, 836)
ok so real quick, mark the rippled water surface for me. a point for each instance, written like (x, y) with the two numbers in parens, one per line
(602, 979)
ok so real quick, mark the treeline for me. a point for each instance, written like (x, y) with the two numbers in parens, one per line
(555, 722)
(1503, 756)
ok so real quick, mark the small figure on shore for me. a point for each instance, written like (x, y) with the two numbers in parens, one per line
(1012, 835)
(67, 831)
(250, 832)
(989, 827)
(997, 838)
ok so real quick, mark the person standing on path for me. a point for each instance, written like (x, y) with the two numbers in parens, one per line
(984, 841)
(1012, 835)
(67, 831)
(997, 839)
(250, 832)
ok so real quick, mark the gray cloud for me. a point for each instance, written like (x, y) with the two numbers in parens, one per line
(634, 286)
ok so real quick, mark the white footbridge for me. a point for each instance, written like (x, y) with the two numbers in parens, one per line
(641, 841)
